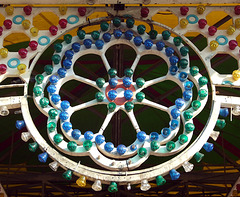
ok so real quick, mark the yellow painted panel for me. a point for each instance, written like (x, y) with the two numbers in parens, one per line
(2, 18)
(45, 20)
(238, 40)
(166, 18)
(215, 16)
(15, 38)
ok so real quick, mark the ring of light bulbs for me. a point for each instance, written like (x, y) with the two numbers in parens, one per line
(121, 171)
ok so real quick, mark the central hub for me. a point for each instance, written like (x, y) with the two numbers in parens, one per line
(120, 94)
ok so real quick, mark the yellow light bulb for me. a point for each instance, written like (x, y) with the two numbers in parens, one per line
(81, 182)
(26, 24)
(214, 45)
(183, 23)
(231, 29)
(9, 10)
(237, 23)
(201, 9)
(62, 10)
(4, 52)
(22, 68)
(34, 31)
(236, 75)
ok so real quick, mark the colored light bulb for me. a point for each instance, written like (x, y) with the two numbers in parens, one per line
(112, 94)
(130, 22)
(224, 112)
(208, 146)
(154, 145)
(87, 144)
(140, 82)
(232, 44)
(87, 43)
(212, 30)
(106, 37)
(189, 127)
(33, 45)
(81, 34)
(160, 180)
(100, 82)
(22, 68)
(112, 187)
(3, 69)
(109, 147)
(76, 47)
(112, 72)
(128, 94)
(116, 22)
(194, 70)
(20, 124)
(56, 59)
(142, 152)
(128, 35)
(117, 33)
(26, 24)
(48, 69)
(99, 96)
(201, 9)
(140, 96)
(81, 181)
(95, 35)
(8, 24)
(183, 23)
(111, 107)
(198, 156)
(144, 12)
(9, 10)
(202, 93)
(221, 123)
(174, 174)
(4, 52)
(121, 149)
(72, 146)
(67, 126)
(99, 139)
(82, 11)
(44, 102)
(237, 10)
(53, 30)
(153, 34)
(202, 23)
(196, 105)
(34, 31)
(33, 146)
(1, 30)
(170, 146)
(23, 52)
(184, 10)
(67, 175)
(129, 106)
(182, 139)
(202, 81)
(62, 10)
(63, 23)
(237, 23)
(148, 44)
(141, 29)
(173, 70)
(58, 138)
(99, 44)
(27, 10)
(104, 26)
(43, 157)
(51, 126)
(68, 38)
(128, 72)
(175, 113)
(166, 34)
(141, 136)
(236, 75)
(65, 105)
(187, 115)
(230, 30)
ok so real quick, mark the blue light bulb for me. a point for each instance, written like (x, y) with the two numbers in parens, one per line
(51, 89)
(174, 124)
(169, 51)
(160, 45)
(182, 76)
(107, 37)
(187, 95)
(113, 82)
(109, 147)
(55, 98)
(99, 44)
(87, 43)
(188, 85)
(224, 112)
(179, 103)
(63, 116)
(54, 79)
(165, 132)
(112, 94)
(43, 157)
(127, 82)
(62, 72)
(20, 124)
(154, 136)
(173, 70)
(76, 47)
(88, 135)
(128, 94)
(173, 60)
(148, 44)
(128, 35)
(99, 139)
(141, 136)
(121, 149)
(67, 126)
(174, 174)
(76, 134)
(208, 146)
(138, 40)
(117, 33)
(67, 63)
(65, 105)
(175, 113)
(69, 54)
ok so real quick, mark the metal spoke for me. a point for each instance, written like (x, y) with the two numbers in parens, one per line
(134, 121)
(154, 105)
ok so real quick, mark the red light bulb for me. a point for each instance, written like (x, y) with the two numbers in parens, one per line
(63, 23)
(33, 45)
(232, 44)
(184, 10)
(3, 69)
(27, 10)
(82, 11)
(212, 30)
(144, 12)
(8, 24)
(53, 30)
(202, 23)
(23, 53)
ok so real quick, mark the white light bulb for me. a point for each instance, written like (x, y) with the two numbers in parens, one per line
(97, 186)
(214, 135)
(145, 185)
(188, 167)
(25, 136)
(4, 110)
(54, 165)
(128, 186)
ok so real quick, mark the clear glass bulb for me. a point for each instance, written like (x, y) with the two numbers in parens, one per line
(54, 165)
(188, 167)
(214, 135)
(145, 185)
(4, 110)
(236, 110)
(25, 136)
(97, 185)
(128, 186)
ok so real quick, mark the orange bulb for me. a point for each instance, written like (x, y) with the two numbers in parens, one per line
(34, 31)
(22, 68)
(9, 10)
(26, 24)
(183, 23)
(62, 10)
(214, 45)
(4, 52)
